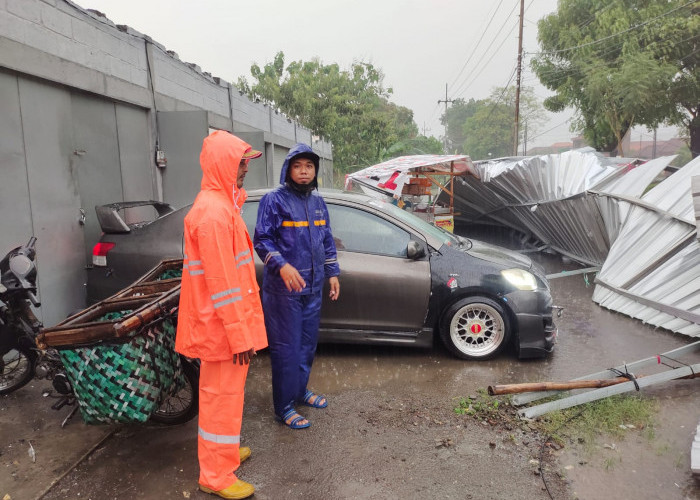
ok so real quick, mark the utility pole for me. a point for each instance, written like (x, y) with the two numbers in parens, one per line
(517, 85)
(525, 139)
(446, 101)
(424, 130)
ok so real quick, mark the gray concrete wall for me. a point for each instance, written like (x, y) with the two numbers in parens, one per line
(79, 99)
(57, 40)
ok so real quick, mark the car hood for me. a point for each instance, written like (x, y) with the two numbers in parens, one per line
(498, 255)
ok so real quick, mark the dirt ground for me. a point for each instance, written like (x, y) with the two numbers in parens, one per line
(390, 430)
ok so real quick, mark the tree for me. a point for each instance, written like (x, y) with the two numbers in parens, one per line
(420, 145)
(622, 63)
(350, 107)
(453, 120)
(488, 127)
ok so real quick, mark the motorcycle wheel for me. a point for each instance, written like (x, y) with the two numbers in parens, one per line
(16, 368)
(183, 406)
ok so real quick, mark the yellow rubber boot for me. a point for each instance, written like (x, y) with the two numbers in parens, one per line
(244, 453)
(239, 489)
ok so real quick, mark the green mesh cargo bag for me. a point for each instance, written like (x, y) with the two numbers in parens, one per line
(125, 382)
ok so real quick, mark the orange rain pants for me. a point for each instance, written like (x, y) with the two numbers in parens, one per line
(221, 386)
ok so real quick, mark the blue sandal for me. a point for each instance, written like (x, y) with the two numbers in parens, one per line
(319, 401)
(294, 422)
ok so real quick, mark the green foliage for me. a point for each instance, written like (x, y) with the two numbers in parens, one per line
(603, 417)
(455, 117)
(420, 145)
(683, 157)
(488, 128)
(622, 63)
(350, 107)
(481, 406)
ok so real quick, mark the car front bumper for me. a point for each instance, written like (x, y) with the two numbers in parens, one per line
(535, 328)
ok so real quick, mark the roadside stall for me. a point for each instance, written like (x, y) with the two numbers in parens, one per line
(415, 182)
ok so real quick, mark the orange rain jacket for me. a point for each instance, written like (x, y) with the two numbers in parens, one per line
(220, 312)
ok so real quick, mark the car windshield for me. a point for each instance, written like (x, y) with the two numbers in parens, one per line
(436, 232)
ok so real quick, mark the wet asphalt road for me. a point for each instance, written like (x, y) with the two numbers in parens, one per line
(365, 445)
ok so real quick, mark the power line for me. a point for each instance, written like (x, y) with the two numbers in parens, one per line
(478, 72)
(477, 44)
(446, 101)
(611, 49)
(550, 129)
(631, 28)
(461, 88)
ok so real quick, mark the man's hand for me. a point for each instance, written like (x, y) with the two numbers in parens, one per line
(291, 277)
(335, 287)
(244, 357)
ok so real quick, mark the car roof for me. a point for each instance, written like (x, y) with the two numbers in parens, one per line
(355, 198)
(336, 194)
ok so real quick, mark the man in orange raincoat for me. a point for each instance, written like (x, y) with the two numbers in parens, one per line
(220, 315)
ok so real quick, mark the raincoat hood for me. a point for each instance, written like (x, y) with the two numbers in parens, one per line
(220, 157)
(304, 150)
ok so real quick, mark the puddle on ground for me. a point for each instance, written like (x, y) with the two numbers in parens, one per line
(590, 339)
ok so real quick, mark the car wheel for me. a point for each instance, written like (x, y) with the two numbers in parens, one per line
(183, 406)
(16, 368)
(475, 328)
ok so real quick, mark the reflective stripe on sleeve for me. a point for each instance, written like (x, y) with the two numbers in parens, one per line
(196, 272)
(319, 222)
(249, 259)
(242, 254)
(269, 256)
(218, 438)
(295, 223)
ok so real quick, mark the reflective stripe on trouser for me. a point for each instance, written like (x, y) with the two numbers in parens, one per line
(292, 323)
(221, 387)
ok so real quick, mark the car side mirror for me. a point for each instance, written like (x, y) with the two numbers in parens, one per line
(415, 250)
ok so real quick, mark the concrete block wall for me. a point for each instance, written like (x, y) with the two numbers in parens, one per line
(304, 135)
(248, 112)
(60, 41)
(281, 125)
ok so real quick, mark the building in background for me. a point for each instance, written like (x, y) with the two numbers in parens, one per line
(94, 113)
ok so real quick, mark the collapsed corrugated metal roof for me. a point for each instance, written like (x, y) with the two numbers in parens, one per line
(549, 196)
(653, 269)
(695, 186)
(594, 210)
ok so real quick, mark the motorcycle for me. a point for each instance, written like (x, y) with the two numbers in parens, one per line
(21, 360)
(18, 324)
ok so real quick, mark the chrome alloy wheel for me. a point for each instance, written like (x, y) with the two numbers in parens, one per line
(477, 329)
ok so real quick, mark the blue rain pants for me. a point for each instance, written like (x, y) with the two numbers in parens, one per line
(292, 323)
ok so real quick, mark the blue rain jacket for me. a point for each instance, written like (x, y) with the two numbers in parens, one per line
(294, 228)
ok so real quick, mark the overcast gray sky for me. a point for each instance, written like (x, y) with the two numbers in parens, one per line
(420, 45)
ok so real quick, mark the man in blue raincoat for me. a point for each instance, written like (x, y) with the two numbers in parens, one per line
(293, 239)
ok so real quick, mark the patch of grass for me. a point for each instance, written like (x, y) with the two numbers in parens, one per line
(476, 408)
(663, 449)
(481, 406)
(610, 416)
(609, 463)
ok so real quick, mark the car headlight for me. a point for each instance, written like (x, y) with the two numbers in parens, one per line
(520, 279)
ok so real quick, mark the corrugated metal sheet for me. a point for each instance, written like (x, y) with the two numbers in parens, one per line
(695, 186)
(558, 198)
(594, 210)
(653, 269)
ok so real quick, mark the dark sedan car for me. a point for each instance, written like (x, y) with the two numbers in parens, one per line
(403, 280)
